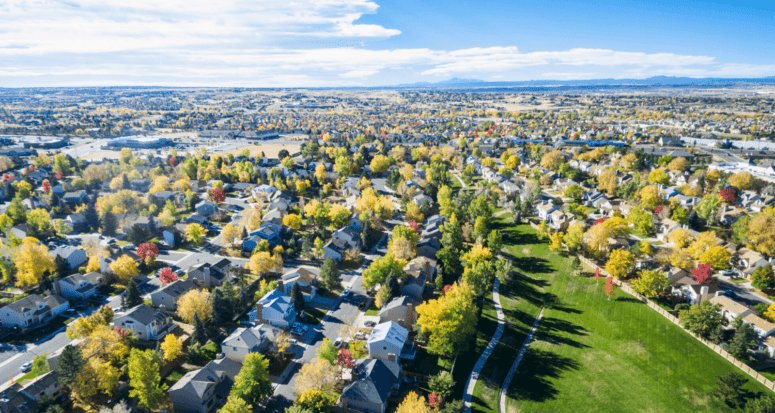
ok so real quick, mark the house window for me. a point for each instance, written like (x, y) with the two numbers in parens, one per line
(384, 348)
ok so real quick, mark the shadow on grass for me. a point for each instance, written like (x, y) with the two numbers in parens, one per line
(523, 287)
(556, 330)
(629, 300)
(533, 380)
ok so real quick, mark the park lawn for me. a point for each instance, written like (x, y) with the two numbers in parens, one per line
(591, 354)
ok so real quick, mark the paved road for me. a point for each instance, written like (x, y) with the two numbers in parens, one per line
(513, 370)
(744, 295)
(472, 379)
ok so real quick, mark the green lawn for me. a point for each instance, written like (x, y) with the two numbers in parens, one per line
(372, 310)
(314, 315)
(589, 354)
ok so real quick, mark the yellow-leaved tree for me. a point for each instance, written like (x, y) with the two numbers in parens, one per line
(318, 374)
(229, 234)
(195, 233)
(193, 302)
(596, 238)
(608, 181)
(702, 242)
(450, 320)
(292, 221)
(741, 180)
(620, 263)
(124, 267)
(414, 403)
(717, 256)
(172, 347)
(680, 237)
(761, 236)
(32, 261)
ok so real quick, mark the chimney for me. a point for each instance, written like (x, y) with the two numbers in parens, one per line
(411, 315)
(391, 357)
(206, 271)
(260, 314)
(280, 285)
(57, 287)
(428, 274)
(703, 292)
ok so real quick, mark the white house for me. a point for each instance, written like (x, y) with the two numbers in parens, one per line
(730, 308)
(75, 257)
(32, 310)
(693, 291)
(169, 294)
(545, 209)
(78, 286)
(275, 308)
(145, 322)
(762, 327)
(244, 341)
(387, 340)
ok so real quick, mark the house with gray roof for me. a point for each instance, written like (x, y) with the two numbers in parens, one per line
(78, 286)
(374, 381)
(32, 311)
(75, 257)
(244, 341)
(209, 275)
(147, 323)
(169, 294)
(275, 308)
(387, 341)
(204, 390)
(399, 310)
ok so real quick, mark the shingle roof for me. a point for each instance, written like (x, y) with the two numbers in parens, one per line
(390, 332)
(375, 380)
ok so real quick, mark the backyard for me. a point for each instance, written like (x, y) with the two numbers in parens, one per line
(589, 353)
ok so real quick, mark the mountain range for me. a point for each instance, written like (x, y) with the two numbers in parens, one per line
(651, 81)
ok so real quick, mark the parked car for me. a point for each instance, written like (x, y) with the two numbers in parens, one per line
(346, 292)
(338, 342)
(729, 272)
(370, 323)
(730, 294)
(293, 341)
(26, 367)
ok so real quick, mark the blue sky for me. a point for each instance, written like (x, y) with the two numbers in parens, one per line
(301, 43)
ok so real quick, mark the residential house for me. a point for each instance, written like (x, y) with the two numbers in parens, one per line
(306, 277)
(349, 235)
(140, 185)
(275, 308)
(558, 220)
(210, 275)
(267, 231)
(432, 228)
(421, 199)
(246, 340)
(75, 257)
(545, 209)
(693, 291)
(78, 286)
(169, 294)
(729, 215)
(749, 260)
(76, 197)
(387, 341)
(593, 198)
(335, 249)
(206, 208)
(374, 381)
(264, 190)
(204, 390)
(419, 271)
(32, 311)
(198, 219)
(147, 323)
(428, 247)
(76, 221)
(762, 327)
(730, 308)
(399, 310)
(22, 231)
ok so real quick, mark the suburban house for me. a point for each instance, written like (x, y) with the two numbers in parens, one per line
(267, 231)
(387, 341)
(169, 294)
(749, 260)
(275, 308)
(206, 208)
(419, 271)
(32, 311)
(693, 291)
(306, 277)
(349, 235)
(23, 399)
(77, 222)
(335, 249)
(75, 257)
(399, 310)
(432, 228)
(762, 327)
(77, 197)
(373, 382)
(244, 341)
(78, 286)
(428, 247)
(264, 190)
(730, 308)
(545, 210)
(204, 390)
(198, 219)
(147, 323)
(207, 275)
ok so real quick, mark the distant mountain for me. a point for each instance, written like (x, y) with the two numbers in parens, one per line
(651, 81)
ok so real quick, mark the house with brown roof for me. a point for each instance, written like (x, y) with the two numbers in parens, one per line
(762, 327)
(730, 308)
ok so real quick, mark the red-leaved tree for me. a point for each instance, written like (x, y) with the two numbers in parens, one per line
(703, 273)
(173, 161)
(166, 276)
(727, 194)
(217, 195)
(59, 175)
(610, 287)
(659, 209)
(413, 225)
(148, 252)
(345, 359)
(600, 221)
(446, 288)
(31, 168)
(7, 177)
(46, 185)
(434, 400)
(597, 275)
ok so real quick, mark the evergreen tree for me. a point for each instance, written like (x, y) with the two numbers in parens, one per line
(391, 283)
(329, 274)
(306, 247)
(62, 267)
(745, 338)
(298, 297)
(126, 184)
(69, 364)
(133, 297)
(198, 336)
(108, 224)
(152, 227)
(220, 316)
(91, 217)
(244, 233)
(367, 235)
(17, 211)
(242, 301)
(55, 201)
(137, 234)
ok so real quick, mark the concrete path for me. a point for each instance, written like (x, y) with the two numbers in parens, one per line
(514, 366)
(471, 383)
(463, 184)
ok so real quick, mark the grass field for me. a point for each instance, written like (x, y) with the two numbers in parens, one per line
(589, 354)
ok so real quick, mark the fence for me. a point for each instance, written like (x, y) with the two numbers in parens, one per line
(742, 366)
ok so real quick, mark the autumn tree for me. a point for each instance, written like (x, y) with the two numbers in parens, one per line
(195, 234)
(166, 276)
(608, 181)
(552, 160)
(380, 268)
(32, 261)
(292, 221)
(658, 177)
(124, 267)
(574, 237)
(252, 383)
(763, 277)
(680, 237)
(597, 238)
(263, 262)
(717, 256)
(318, 374)
(760, 234)
(708, 209)
(650, 197)
(449, 320)
(702, 319)
(479, 270)
(620, 263)
(403, 243)
(651, 283)
(217, 195)
(702, 243)
(194, 302)
(143, 368)
(414, 403)
(148, 252)
(741, 180)
(316, 401)
(678, 164)
(235, 404)
(230, 234)
(610, 287)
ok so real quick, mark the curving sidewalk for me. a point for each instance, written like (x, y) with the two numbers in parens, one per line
(513, 370)
(471, 383)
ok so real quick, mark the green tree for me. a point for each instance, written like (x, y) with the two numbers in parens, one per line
(330, 277)
(763, 277)
(328, 352)
(763, 404)
(40, 365)
(69, 364)
(651, 283)
(17, 211)
(729, 389)
(199, 336)
(442, 384)
(133, 296)
(143, 367)
(708, 208)
(744, 339)
(108, 224)
(252, 383)
(702, 319)
(380, 268)
(298, 297)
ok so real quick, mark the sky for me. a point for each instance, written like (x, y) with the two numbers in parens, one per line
(344, 43)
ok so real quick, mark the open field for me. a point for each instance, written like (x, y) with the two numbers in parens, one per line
(590, 354)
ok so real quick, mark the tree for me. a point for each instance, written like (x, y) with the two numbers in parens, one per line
(124, 267)
(137, 234)
(703, 274)
(143, 367)
(741, 180)
(217, 195)
(760, 235)
(328, 352)
(449, 320)
(763, 277)
(316, 401)
(702, 319)
(172, 347)
(193, 303)
(495, 242)
(650, 197)
(717, 256)
(403, 243)
(574, 237)
(235, 404)
(442, 384)
(195, 234)
(555, 241)
(148, 252)
(133, 296)
(166, 276)
(252, 383)
(708, 208)
(680, 237)
(763, 404)
(608, 181)
(263, 262)
(380, 268)
(17, 211)
(318, 374)
(596, 238)
(729, 389)
(108, 224)
(330, 277)
(642, 221)
(574, 192)
(292, 221)
(39, 221)
(32, 261)
(620, 263)
(198, 336)
(85, 326)
(658, 177)
(69, 364)
(610, 287)
(298, 297)
(679, 257)
(479, 271)
(414, 403)
(379, 164)
(745, 338)
(678, 164)
(651, 283)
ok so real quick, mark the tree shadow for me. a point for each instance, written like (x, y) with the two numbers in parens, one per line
(629, 300)
(557, 330)
(533, 380)
(527, 288)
